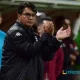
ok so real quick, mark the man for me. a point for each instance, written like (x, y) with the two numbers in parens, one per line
(23, 52)
(53, 68)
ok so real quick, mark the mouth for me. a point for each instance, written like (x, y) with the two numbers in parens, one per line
(31, 22)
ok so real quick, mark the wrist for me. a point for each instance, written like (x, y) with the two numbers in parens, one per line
(60, 40)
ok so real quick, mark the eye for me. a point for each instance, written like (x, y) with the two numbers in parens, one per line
(33, 15)
(27, 14)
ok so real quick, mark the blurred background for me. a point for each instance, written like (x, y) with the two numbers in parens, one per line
(52, 8)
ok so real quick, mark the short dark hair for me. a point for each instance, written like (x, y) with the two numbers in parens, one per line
(23, 5)
(40, 20)
(47, 18)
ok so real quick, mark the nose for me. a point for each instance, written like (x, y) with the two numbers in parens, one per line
(31, 17)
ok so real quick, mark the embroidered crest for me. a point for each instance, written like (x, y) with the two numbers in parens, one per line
(18, 34)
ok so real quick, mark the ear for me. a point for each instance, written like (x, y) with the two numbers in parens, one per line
(0, 19)
(18, 16)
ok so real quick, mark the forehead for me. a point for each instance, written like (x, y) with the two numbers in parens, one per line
(46, 21)
(28, 10)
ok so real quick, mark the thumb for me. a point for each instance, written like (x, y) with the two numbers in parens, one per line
(61, 29)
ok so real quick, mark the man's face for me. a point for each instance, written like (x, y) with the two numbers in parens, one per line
(28, 17)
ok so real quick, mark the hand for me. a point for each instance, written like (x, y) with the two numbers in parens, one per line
(61, 34)
(48, 27)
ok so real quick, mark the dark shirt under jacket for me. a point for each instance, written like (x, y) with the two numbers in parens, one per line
(23, 53)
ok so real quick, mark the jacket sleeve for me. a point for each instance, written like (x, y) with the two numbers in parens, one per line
(24, 47)
(50, 49)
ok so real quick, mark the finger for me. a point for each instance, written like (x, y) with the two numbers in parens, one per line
(43, 26)
(69, 28)
(61, 29)
(47, 27)
(51, 28)
(68, 32)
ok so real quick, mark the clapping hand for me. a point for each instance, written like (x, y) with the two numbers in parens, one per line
(48, 27)
(61, 34)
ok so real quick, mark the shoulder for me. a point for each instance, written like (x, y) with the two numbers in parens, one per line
(15, 31)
